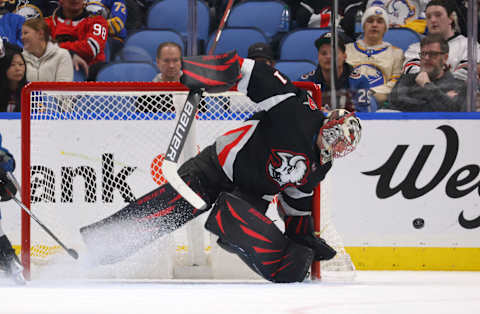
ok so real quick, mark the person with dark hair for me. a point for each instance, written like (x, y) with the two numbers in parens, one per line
(46, 61)
(13, 74)
(261, 52)
(440, 16)
(352, 88)
(434, 88)
(11, 83)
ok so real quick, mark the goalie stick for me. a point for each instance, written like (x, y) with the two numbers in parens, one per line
(170, 164)
(70, 252)
(334, 47)
(221, 26)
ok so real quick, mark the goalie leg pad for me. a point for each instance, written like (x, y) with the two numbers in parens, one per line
(257, 241)
(153, 215)
(217, 73)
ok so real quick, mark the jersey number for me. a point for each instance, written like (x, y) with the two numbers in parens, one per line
(99, 30)
(280, 77)
(362, 96)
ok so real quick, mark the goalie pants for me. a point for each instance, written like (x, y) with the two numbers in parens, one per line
(213, 180)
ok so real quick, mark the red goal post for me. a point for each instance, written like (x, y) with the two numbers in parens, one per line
(47, 105)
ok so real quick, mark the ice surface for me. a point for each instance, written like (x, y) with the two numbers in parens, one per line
(369, 292)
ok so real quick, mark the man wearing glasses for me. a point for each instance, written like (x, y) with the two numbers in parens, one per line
(440, 16)
(434, 88)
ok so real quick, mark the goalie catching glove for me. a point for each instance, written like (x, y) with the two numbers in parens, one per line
(300, 230)
(214, 74)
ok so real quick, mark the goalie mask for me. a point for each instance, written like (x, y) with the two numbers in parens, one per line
(339, 135)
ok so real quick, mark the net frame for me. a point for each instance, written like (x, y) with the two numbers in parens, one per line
(120, 87)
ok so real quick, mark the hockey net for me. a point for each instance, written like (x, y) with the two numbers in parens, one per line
(90, 148)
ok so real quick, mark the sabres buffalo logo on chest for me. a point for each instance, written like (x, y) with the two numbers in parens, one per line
(287, 168)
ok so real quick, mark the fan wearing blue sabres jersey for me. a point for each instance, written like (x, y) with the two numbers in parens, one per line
(353, 89)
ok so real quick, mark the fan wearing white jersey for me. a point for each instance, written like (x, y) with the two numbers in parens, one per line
(375, 58)
(284, 149)
(9, 262)
(440, 20)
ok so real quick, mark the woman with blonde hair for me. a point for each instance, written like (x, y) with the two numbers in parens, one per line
(45, 60)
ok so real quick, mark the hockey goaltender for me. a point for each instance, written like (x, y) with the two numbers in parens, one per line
(284, 149)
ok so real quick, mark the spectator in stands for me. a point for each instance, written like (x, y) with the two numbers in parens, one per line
(169, 62)
(45, 60)
(378, 60)
(10, 25)
(441, 20)
(401, 13)
(82, 34)
(352, 88)
(115, 11)
(12, 72)
(261, 52)
(434, 88)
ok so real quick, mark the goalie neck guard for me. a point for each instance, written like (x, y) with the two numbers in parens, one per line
(339, 135)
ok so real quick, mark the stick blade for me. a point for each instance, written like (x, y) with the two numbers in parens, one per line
(169, 169)
(72, 253)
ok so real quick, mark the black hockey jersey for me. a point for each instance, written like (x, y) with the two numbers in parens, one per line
(274, 151)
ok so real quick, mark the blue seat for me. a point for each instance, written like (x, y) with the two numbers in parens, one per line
(238, 38)
(294, 69)
(133, 53)
(264, 15)
(78, 76)
(127, 71)
(150, 39)
(401, 37)
(174, 14)
(300, 44)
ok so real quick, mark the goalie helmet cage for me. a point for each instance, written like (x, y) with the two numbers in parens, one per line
(90, 147)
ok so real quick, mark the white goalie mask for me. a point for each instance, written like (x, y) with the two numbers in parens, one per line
(339, 135)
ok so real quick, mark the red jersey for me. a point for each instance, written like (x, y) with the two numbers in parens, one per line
(86, 35)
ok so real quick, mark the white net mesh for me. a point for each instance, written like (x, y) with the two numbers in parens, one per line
(93, 151)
